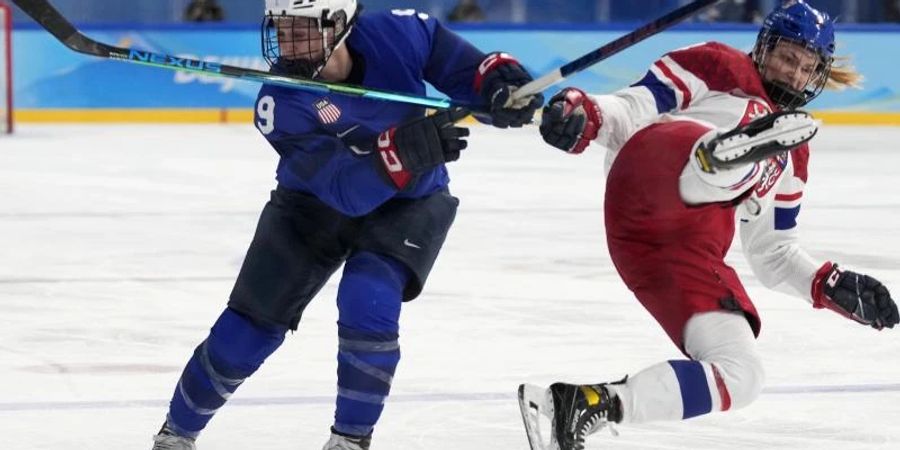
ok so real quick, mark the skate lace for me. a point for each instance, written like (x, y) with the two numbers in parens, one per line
(597, 421)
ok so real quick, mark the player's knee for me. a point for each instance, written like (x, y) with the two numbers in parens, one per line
(743, 376)
(377, 271)
(371, 291)
(237, 346)
(726, 341)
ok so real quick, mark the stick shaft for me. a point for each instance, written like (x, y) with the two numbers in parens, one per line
(612, 48)
(50, 19)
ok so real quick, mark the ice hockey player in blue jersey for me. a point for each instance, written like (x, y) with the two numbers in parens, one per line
(361, 183)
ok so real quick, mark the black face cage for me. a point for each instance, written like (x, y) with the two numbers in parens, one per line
(309, 44)
(783, 95)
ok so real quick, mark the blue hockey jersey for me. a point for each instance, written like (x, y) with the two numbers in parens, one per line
(326, 142)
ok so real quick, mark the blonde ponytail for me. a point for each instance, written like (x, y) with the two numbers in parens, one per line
(843, 75)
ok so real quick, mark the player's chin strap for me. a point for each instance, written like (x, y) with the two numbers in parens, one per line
(785, 96)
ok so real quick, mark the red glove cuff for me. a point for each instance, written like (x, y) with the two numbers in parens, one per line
(820, 300)
(493, 61)
(574, 99)
(391, 162)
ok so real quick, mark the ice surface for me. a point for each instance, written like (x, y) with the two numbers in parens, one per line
(120, 245)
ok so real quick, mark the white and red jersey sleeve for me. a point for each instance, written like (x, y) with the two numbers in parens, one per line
(769, 233)
(699, 80)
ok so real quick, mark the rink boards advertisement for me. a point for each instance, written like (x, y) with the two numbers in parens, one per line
(53, 83)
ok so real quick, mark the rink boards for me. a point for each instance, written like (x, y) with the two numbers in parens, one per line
(53, 84)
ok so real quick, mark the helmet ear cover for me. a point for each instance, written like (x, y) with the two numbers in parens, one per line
(325, 21)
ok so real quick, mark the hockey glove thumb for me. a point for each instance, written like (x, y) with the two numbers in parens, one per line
(497, 77)
(571, 120)
(421, 144)
(855, 296)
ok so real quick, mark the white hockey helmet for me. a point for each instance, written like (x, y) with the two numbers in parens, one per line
(310, 8)
(299, 36)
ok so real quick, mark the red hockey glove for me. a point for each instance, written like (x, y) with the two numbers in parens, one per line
(421, 144)
(498, 76)
(854, 296)
(571, 120)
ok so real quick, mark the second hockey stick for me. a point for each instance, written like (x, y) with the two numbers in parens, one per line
(650, 29)
(53, 21)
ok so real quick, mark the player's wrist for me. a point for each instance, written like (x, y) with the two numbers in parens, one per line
(826, 271)
(389, 159)
(421, 144)
(593, 115)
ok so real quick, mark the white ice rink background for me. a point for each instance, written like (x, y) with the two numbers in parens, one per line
(119, 246)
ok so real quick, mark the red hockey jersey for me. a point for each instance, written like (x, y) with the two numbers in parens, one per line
(719, 86)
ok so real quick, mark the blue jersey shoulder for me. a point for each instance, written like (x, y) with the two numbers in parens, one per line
(411, 30)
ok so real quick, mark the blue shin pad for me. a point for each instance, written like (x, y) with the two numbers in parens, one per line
(235, 349)
(369, 300)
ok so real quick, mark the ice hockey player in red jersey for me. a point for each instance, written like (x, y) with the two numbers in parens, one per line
(710, 133)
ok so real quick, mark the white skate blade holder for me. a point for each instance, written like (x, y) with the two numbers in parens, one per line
(536, 406)
(788, 131)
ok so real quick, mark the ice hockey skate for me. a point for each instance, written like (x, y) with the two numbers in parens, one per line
(570, 413)
(342, 442)
(775, 133)
(166, 439)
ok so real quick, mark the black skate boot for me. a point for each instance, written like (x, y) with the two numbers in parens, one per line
(581, 410)
(775, 133)
(575, 411)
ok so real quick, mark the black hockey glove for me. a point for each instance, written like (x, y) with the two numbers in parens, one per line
(498, 76)
(855, 296)
(571, 120)
(421, 144)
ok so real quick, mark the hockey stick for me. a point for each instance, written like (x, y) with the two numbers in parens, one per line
(611, 48)
(51, 20)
